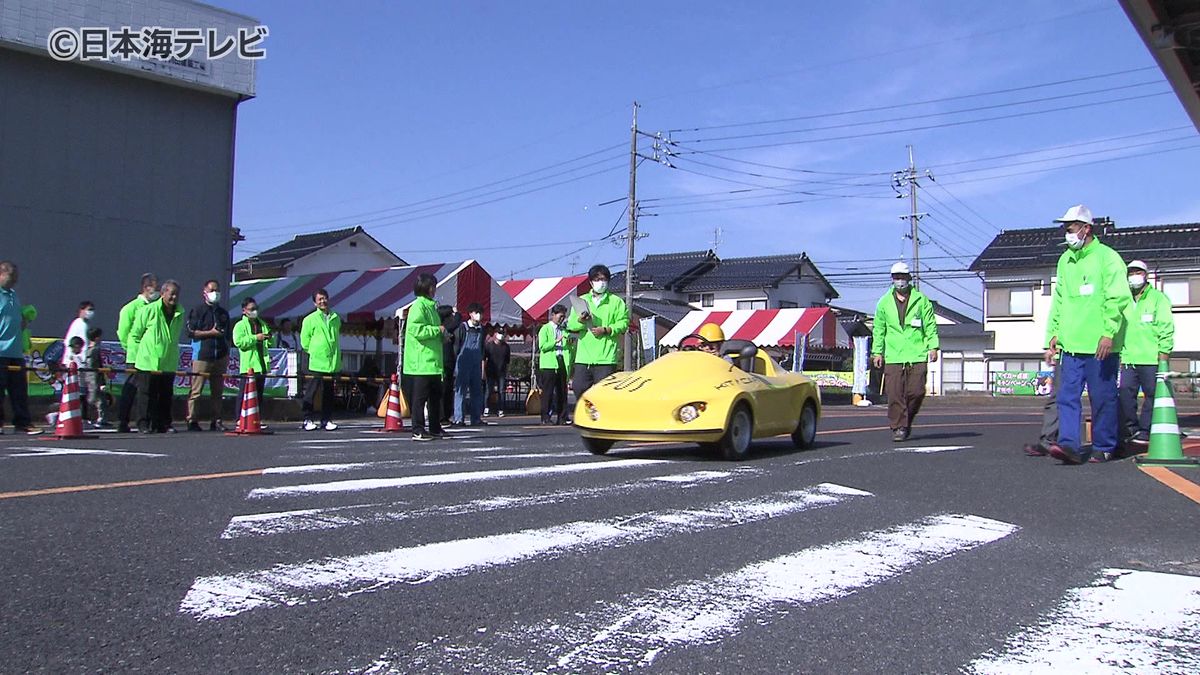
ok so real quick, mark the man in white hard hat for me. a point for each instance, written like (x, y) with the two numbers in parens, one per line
(1087, 325)
(905, 340)
(1149, 339)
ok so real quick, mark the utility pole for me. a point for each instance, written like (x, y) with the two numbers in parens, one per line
(908, 178)
(631, 234)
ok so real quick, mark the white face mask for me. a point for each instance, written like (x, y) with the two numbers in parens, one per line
(253, 314)
(1136, 281)
(87, 316)
(599, 287)
(476, 317)
(154, 295)
(499, 338)
(900, 284)
(212, 297)
(1074, 240)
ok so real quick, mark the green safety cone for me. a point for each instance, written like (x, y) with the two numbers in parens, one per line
(1166, 448)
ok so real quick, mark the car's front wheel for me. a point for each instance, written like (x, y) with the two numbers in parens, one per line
(597, 446)
(735, 444)
(805, 434)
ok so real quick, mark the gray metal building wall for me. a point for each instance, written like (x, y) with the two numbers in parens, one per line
(104, 176)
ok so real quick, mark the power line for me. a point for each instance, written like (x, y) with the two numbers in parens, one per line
(1070, 156)
(967, 206)
(1061, 147)
(912, 104)
(993, 106)
(1071, 166)
(944, 125)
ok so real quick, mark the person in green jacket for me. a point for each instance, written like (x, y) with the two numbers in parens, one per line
(1149, 339)
(156, 330)
(424, 339)
(1087, 324)
(28, 316)
(320, 337)
(251, 337)
(599, 328)
(905, 340)
(148, 293)
(554, 364)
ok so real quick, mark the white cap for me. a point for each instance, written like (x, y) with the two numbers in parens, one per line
(900, 268)
(1138, 265)
(1076, 214)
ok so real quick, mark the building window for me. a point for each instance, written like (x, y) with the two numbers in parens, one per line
(706, 299)
(1014, 301)
(752, 304)
(693, 297)
(1182, 292)
(784, 304)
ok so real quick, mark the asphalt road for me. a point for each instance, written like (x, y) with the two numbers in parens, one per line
(510, 549)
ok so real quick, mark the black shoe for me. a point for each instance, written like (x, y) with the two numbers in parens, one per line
(217, 426)
(124, 429)
(1066, 455)
(422, 436)
(439, 435)
(1035, 450)
(167, 430)
(194, 426)
(907, 432)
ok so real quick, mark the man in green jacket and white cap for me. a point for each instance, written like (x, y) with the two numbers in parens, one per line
(600, 319)
(1149, 339)
(905, 340)
(1087, 323)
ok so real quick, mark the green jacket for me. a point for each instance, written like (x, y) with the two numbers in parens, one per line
(319, 336)
(908, 343)
(251, 352)
(548, 351)
(156, 338)
(125, 325)
(607, 312)
(1149, 328)
(423, 339)
(1090, 296)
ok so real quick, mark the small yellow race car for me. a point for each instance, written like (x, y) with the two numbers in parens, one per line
(699, 397)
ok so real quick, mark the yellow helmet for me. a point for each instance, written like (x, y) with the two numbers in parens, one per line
(711, 332)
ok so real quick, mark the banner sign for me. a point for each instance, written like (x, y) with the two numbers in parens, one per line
(1023, 382)
(828, 379)
(49, 350)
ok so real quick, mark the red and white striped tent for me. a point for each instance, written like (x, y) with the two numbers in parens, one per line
(537, 296)
(766, 327)
(371, 295)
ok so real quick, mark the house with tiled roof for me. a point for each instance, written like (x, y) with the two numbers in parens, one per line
(703, 280)
(1018, 269)
(316, 253)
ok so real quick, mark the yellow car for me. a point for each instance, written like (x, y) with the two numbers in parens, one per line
(698, 397)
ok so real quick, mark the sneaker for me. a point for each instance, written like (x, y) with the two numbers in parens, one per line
(309, 425)
(168, 429)
(422, 436)
(216, 425)
(486, 412)
(330, 426)
(439, 435)
(500, 414)
(1065, 455)
(52, 418)
(1100, 458)
(1035, 450)
(29, 430)
(124, 429)
(194, 426)
(1140, 439)
(898, 435)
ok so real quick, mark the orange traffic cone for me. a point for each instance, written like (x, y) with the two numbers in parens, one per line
(248, 421)
(393, 422)
(70, 411)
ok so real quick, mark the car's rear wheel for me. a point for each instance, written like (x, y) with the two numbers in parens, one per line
(735, 444)
(805, 434)
(597, 446)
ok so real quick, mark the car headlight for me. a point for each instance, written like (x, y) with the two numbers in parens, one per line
(592, 412)
(691, 411)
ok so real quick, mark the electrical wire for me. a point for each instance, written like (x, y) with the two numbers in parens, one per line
(1071, 166)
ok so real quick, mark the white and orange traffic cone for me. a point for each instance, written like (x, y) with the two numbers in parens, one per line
(393, 421)
(249, 422)
(70, 411)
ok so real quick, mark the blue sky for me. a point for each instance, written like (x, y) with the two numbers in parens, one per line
(408, 118)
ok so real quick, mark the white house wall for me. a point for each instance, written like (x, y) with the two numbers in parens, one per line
(339, 257)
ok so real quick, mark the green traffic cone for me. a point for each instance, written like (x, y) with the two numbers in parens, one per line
(1166, 449)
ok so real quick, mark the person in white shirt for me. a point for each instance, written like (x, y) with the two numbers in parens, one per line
(78, 328)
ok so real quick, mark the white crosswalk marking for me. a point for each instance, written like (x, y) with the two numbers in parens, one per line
(42, 451)
(293, 584)
(637, 629)
(1126, 622)
(461, 477)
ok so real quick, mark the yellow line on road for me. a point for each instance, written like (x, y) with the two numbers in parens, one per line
(129, 483)
(1174, 481)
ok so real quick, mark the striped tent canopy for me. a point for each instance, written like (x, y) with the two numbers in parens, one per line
(372, 295)
(766, 327)
(537, 296)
